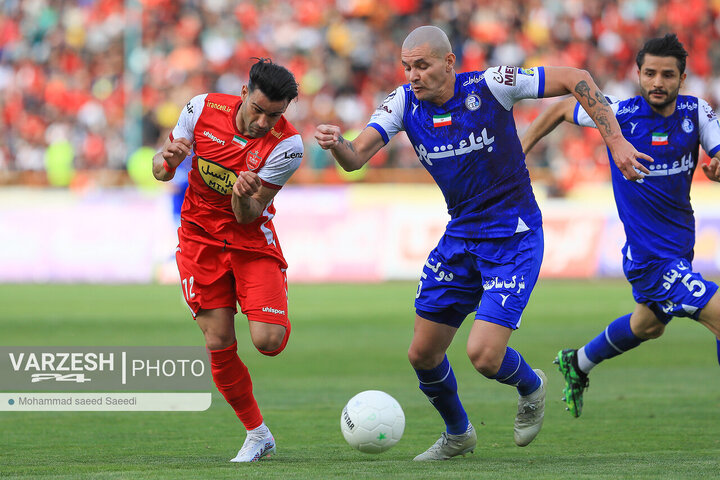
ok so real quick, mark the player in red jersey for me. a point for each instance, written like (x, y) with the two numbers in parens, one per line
(244, 150)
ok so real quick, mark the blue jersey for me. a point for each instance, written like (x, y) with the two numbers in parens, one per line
(471, 148)
(656, 211)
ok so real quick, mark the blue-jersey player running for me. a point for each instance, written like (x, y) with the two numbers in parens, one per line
(655, 211)
(488, 260)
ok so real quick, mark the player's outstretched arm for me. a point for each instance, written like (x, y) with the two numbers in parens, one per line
(167, 160)
(712, 169)
(349, 155)
(562, 80)
(547, 121)
(250, 197)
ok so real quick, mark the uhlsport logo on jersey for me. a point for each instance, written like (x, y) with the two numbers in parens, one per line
(213, 137)
(103, 378)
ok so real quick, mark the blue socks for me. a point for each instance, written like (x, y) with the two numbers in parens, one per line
(515, 371)
(440, 386)
(616, 339)
(718, 349)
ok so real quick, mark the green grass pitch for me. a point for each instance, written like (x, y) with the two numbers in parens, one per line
(651, 413)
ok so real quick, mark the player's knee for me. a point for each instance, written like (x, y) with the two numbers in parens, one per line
(484, 360)
(271, 342)
(218, 340)
(424, 360)
(650, 331)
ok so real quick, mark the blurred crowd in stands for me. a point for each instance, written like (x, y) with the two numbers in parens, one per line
(70, 71)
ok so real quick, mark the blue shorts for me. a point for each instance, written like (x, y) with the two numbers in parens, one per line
(669, 287)
(460, 272)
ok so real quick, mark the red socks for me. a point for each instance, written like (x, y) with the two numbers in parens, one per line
(232, 379)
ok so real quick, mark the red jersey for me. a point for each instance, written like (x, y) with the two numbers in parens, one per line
(220, 151)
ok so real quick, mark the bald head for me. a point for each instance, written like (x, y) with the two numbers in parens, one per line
(429, 35)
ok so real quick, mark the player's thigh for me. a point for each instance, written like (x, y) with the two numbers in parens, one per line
(710, 314)
(218, 327)
(205, 277)
(261, 288)
(450, 287)
(430, 341)
(671, 289)
(510, 269)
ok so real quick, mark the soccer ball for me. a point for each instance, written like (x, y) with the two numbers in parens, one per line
(372, 421)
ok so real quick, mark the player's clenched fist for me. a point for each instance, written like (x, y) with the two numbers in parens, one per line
(327, 136)
(247, 184)
(176, 151)
(712, 169)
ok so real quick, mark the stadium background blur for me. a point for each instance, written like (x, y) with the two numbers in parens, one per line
(90, 88)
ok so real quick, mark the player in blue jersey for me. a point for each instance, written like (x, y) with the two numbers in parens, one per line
(462, 128)
(655, 211)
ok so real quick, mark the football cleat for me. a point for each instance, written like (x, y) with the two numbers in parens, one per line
(449, 446)
(576, 381)
(255, 448)
(531, 412)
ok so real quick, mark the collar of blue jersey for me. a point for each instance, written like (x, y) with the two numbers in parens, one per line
(646, 109)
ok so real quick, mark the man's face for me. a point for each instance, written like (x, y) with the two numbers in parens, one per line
(660, 80)
(427, 73)
(259, 114)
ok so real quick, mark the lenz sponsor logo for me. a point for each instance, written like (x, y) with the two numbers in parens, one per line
(294, 155)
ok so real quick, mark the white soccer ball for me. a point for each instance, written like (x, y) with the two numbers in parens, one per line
(372, 421)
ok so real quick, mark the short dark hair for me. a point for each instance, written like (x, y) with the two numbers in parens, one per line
(275, 81)
(667, 46)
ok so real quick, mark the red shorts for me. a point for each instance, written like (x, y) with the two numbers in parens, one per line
(213, 276)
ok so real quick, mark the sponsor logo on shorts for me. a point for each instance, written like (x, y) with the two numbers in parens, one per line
(505, 284)
(273, 310)
(504, 298)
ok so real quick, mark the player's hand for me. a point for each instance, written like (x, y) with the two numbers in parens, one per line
(327, 136)
(626, 158)
(712, 169)
(247, 184)
(177, 151)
